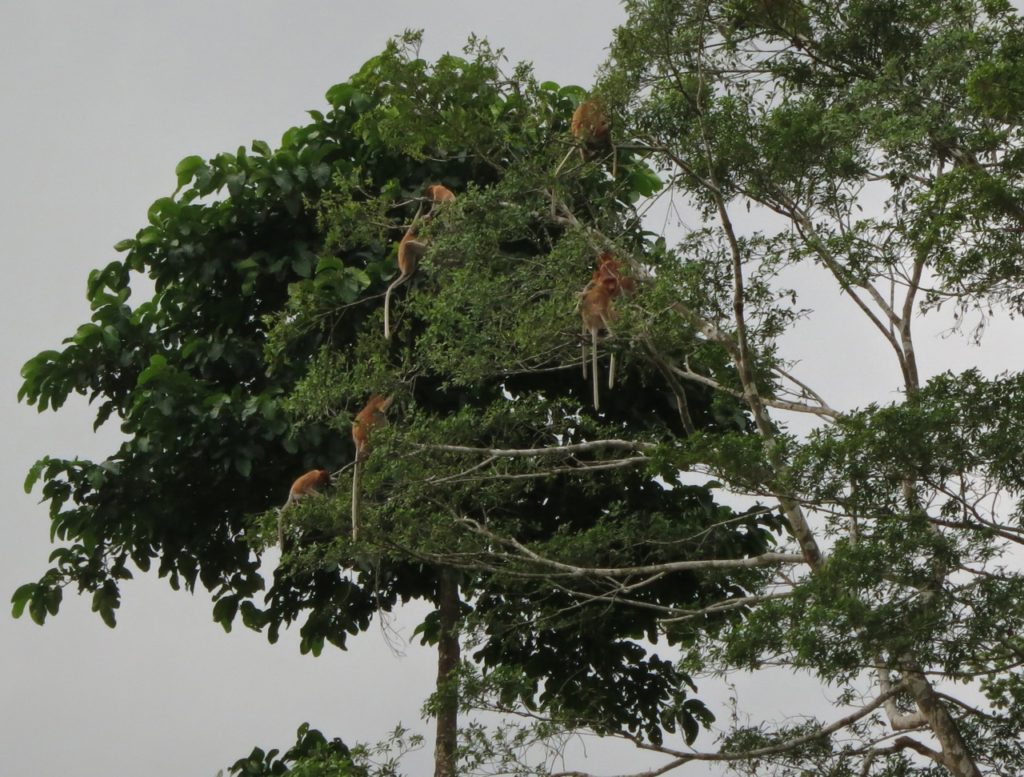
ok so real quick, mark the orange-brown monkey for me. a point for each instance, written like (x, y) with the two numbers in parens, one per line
(410, 251)
(591, 129)
(606, 283)
(304, 485)
(366, 421)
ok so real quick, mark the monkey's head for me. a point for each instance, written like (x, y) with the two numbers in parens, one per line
(609, 274)
(381, 403)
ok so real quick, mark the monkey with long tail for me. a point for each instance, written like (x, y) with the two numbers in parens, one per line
(366, 421)
(411, 249)
(310, 483)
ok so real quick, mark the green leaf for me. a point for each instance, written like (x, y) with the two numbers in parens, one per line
(328, 263)
(108, 617)
(39, 360)
(224, 611)
(21, 598)
(187, 168)
(690, 727)
(321, 174)
(191, 346)
(86, 334)
(303, 264)
(236, 184)
(340, 94)
(34, 472)
(290, 137)
(37, 610)
(148, 236)
(157, 365)
(52, 598)
(161, 209)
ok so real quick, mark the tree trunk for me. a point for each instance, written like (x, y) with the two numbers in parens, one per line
(446, 737)
(955, 755)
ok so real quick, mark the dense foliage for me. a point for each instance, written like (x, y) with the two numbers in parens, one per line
(264, 337)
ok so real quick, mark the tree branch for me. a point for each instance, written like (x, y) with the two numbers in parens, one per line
(571, 570)
(551, 450)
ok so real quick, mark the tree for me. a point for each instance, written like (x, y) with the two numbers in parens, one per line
(311, 755)
(264, 337)
(880, 143)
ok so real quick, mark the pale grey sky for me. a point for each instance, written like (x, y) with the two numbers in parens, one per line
(99, 101)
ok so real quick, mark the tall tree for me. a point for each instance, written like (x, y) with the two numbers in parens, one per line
(264, 337)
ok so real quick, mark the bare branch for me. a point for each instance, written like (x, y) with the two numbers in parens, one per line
(571, 570)
(551, 450)
(582, 467)
(807, 390)
(782, 747)
(780, 404)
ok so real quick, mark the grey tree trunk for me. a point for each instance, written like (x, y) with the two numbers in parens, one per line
(446, 737)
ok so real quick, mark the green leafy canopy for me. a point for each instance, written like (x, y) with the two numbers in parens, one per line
(263, 338)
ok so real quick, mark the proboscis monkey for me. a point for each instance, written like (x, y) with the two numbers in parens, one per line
(591, 129)
(607, 283)
(410, 251)
(304, 485)
(365, 422)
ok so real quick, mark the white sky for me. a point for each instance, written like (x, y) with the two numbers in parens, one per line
(99, 101)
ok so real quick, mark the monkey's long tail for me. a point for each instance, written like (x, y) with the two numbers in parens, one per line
(387, 303)
(593, 367)
(355, 500)
(583, 347)
(611, 359)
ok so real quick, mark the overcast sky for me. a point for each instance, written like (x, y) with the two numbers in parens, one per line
(99, 101)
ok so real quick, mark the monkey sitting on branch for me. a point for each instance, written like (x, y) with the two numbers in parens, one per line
(411, 247)
(591, 130)
(607, 283)
(311, 483)
(366, 420)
